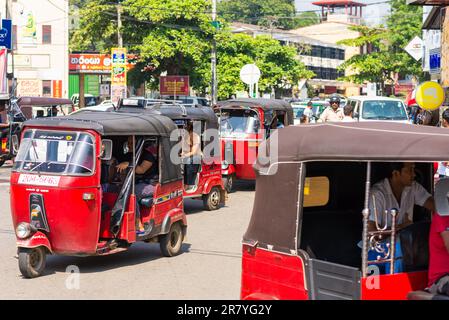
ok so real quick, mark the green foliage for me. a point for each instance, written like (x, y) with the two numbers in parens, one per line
(175, 36)
(278, 64)
(389, 56)
(267, 13)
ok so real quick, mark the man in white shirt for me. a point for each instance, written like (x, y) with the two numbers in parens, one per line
(399, 191)
(332, 113)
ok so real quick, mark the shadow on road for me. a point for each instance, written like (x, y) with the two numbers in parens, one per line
(137, 254)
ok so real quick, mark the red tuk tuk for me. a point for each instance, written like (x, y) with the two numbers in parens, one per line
(26, 108)
(208, 183)
(308, 236)
(244, 124)
(62, 201)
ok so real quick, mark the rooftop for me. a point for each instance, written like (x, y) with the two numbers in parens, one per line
(337, 3)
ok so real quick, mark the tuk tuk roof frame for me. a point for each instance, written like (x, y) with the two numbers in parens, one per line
(265, 104)
(110, 123)
(42, 101)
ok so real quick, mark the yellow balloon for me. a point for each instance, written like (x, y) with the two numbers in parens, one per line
(429, 95)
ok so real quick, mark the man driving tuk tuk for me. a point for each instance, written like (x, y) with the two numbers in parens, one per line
(61, 158)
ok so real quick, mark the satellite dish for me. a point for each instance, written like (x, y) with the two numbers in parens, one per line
(250, 74)
(442, 197)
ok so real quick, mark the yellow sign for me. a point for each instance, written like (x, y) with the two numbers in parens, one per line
(429, 95)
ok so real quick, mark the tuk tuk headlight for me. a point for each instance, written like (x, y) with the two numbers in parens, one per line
(24, 230)
(224, 165)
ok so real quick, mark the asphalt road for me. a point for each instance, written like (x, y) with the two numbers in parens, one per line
(208, 268)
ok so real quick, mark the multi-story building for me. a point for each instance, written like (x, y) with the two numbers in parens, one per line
(320, 57)
(40, 46)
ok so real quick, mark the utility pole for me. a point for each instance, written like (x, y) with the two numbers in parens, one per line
(119, 24)
(214, 56)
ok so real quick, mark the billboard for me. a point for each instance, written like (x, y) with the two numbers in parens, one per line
(118, 74)
(174, 85)
(94, 63)
(6, 34)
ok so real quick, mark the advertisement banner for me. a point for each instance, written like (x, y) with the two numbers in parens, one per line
(57, 88)
(29, 87)
(118, 74)
(3, 71)
(174, 85)
(94, 63)
(27, 22)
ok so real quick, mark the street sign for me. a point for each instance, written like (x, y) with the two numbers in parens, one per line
(250, 74)
(6, 34)
(414, 48)
(174, 85)
(429, 95)
(435, 60)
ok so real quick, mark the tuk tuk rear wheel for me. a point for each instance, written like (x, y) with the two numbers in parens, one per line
(32, 261)
(171, 242)
(212, 200)
(2, 162)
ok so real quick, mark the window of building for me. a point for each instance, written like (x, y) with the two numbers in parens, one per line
(46, 88)
(46, 34)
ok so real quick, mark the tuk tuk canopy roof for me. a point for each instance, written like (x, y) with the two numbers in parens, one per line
(111, 123)
(265, 104)
(176, 112)
(42, 101)
(361, 141)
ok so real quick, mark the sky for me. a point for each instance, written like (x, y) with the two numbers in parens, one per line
(373, 14)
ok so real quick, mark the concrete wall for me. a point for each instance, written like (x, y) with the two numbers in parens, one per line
(33, 60)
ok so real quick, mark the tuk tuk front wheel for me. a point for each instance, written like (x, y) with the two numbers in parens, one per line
(212, 200)
(32, 261)
(171, 242)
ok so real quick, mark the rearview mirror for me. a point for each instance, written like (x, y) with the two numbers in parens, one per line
(15, 144)
(106, 150)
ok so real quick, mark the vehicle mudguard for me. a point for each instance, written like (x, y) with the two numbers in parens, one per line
(172, 217)
(38, 239)
(213, 182)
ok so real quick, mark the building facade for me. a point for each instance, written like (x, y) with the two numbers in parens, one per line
(320, 57)
(40, 47)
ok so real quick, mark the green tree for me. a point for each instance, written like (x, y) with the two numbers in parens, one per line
(388, 57)
(267, 13)
(279, 65)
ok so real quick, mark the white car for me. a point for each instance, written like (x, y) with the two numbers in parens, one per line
(106, 107)
(377, 108)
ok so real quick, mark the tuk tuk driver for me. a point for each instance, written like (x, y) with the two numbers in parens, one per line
(398, 191)
(146, 172)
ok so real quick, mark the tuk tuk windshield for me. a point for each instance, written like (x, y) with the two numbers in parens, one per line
(68, 153)
(240, 121)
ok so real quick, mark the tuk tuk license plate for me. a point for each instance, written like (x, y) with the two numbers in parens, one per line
(35, 180)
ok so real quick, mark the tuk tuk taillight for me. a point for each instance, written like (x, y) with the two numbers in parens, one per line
(4, 144)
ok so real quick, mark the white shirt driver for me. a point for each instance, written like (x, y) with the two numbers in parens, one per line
(382, 198)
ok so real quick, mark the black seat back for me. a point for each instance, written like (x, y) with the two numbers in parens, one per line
(415, 246)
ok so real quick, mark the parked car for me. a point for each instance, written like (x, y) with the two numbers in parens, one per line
(190, 101)
(376, 108)
(89, 100)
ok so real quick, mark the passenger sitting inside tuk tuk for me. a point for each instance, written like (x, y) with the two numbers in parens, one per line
(146, 170)
(401, 192)
(191, 156)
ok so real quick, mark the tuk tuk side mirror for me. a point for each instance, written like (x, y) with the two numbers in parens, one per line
(15, 143)
(106, 150)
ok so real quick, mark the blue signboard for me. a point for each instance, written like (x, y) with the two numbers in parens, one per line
(6, 34)
(435, 60)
